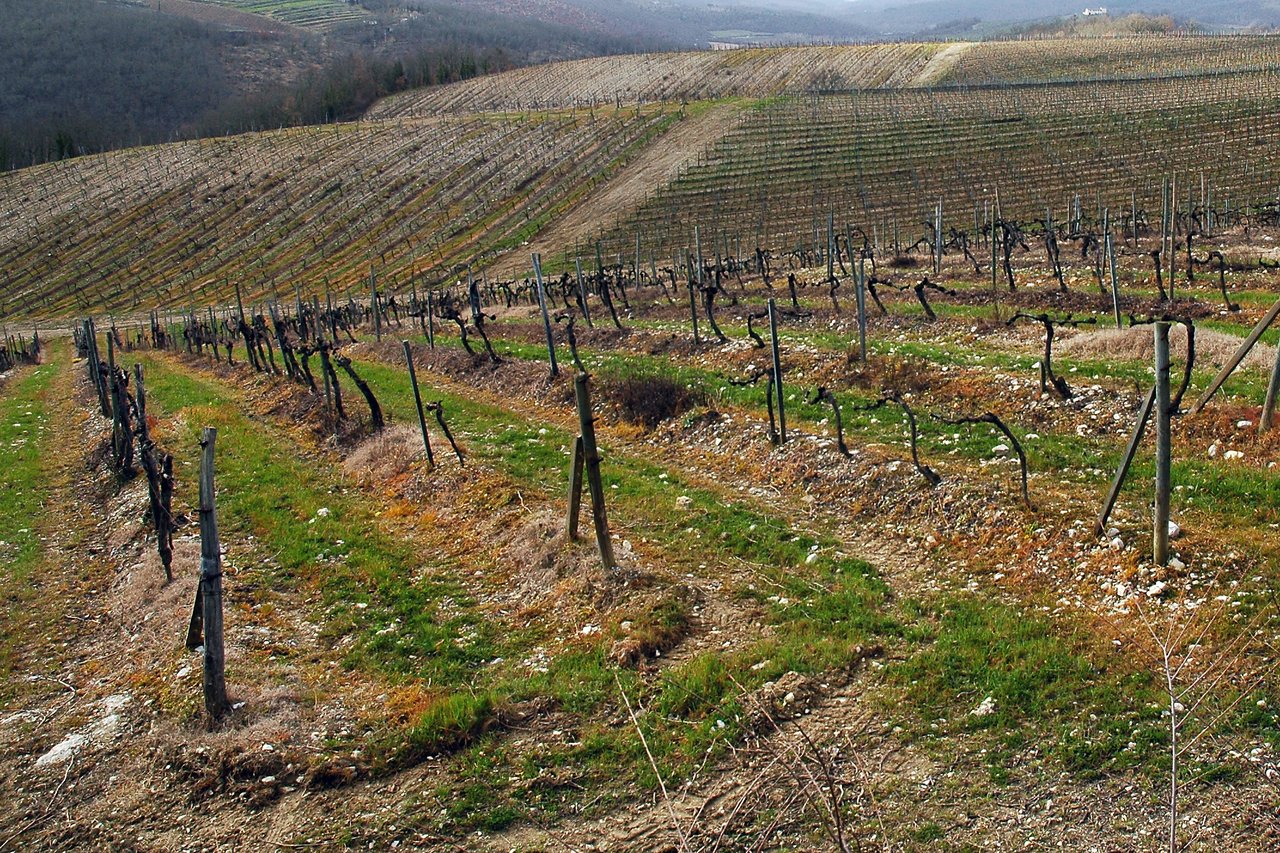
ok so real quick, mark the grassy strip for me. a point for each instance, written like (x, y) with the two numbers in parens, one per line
(376, 587)
(1015, 648)
(264, 490)
(993, 668)
(1221, 487)
(23, 496)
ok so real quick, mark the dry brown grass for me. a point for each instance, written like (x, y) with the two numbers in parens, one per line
(1138, 343)
(384, 456)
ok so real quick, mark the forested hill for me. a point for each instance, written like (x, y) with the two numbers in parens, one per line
(84, 76)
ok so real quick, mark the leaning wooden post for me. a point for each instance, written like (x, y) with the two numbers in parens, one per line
(546, 319)
(1269, 404)
(206, 616)
(1160, 551)
(377, 312)
(1115, 289)
(417, 399)
(1100, 526)
(1238, 357)
(575, 490)
(591, 456)
(777, 372)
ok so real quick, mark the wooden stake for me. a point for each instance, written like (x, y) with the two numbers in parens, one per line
(575, 490)
(1115, 290)
(431, 319)
(582, 292)
(417, 399)
(591, 456)
(860, 294)
(377, 313)
(206, 616)
(777, 372)
(693, 304)
(546, 319)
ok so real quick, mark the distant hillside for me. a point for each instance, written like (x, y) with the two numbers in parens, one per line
(687, 24)
(84, 76)
(982, 17)
(673, 78)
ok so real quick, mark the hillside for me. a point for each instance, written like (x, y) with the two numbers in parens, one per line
(781, 449)
(325, 205)
(672, 78)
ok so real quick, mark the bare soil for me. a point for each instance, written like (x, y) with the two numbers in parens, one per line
(655, 166)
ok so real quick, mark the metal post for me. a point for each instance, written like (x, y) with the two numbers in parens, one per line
(1164, 453)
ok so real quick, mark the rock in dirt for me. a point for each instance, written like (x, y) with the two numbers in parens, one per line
(98, 732)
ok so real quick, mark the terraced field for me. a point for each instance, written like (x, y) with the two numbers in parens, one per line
(307, 14)
(309, 207)
(672, 78)
(882, 160)
(1122, 58)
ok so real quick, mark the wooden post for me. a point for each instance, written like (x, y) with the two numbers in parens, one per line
(1238, 357)
(1269, 404)
(431, 319)
(831, 244)
(575, 490)
(1115, 289)
(417, 399)
(206, 616)
(937, 240)
(591, 457)
(1173, 232)
(582, 292)
(546, 318)
(140, 394)
(693, 303)
(1160, 550)
(377, 313)
(777, 372)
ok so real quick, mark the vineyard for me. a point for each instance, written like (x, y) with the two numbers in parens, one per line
(882, 160)
(307, 14)
(672, 78)
(1123, 58)
(310, 207)
(884, 468)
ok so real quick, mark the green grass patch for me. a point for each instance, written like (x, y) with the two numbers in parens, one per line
(23, 497)
(1015, 678)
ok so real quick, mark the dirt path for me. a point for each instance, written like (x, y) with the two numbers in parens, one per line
(634, 183)
(941, 63)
